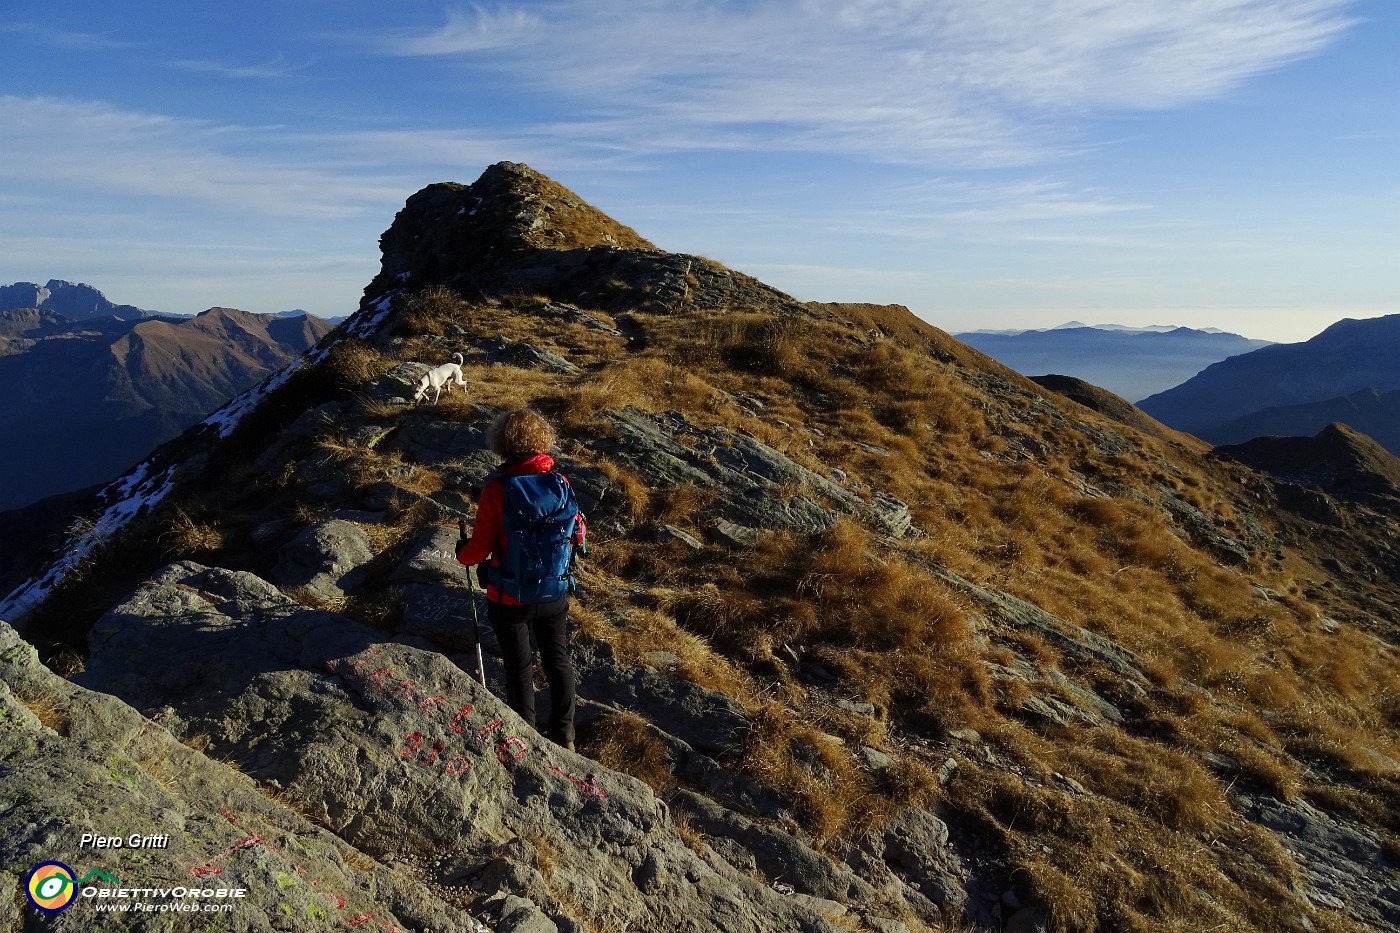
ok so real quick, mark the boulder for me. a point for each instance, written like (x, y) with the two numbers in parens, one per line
(432, 558)
(750, 478)
(402, 754)
(707, 720)
(526, 356)
(325, 559)
(81, 765)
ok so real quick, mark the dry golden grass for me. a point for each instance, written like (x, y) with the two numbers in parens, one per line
(432, 311)
(190, 536)
(199, 742)
(352, 364)
(693, 838)
(625, 742)
(51, 713)
(1130, 871)
(1001, 486)
(826, 789)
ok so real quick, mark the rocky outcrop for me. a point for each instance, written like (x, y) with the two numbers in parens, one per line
(325, 559)
(406, 757)
(180, 832)
(1338, 461)
(747, 475)
(514, 230)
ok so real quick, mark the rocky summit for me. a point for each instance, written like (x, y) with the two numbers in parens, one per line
(872, 634)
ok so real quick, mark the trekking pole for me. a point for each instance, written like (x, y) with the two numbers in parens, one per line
(476, 626)
(476, 633)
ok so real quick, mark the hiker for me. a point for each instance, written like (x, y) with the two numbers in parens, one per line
(526, 529)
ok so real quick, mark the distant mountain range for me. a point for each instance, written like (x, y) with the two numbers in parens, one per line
(85, 398)
(79, 302)
(1131, 362)
(75, 301)
(1077, 325)
(1349, 373)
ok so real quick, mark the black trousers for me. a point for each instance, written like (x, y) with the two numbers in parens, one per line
(549, 622)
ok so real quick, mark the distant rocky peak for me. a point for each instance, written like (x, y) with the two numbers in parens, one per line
(73, 300)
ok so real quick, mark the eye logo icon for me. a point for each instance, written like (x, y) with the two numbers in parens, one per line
(50, 887)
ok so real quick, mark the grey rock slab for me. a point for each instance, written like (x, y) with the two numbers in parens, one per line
(95, 765)
(751, 478)
(1067, 636)
(444, 615)
(1343, 864)
(527, 356)
(400, 382)
(401, 753)
(325, 559)
(732, 535)
(668, 533)
(707, 720)
(575, 316)
(916, 847)
(437, 442)
(432, 558)
(781, 857)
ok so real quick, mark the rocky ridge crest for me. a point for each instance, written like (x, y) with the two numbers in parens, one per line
(851, 690)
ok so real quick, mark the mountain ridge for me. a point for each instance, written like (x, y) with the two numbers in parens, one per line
(73, 300)
(1347, 357)
(1132, 363)
(139, 381)
(886, 635)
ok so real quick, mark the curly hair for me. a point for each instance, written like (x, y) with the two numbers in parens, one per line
(519, 433)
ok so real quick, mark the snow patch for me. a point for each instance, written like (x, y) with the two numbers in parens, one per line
(228, 417)
(134, 493)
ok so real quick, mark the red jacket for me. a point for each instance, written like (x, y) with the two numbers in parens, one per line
(488, 540)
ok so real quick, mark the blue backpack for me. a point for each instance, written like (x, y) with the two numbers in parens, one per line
(539, 518)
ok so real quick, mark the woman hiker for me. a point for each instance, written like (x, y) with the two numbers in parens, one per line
(527, 526)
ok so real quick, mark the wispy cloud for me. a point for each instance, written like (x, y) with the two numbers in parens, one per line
(62, 38)
(273, 69)
(94, 147)
(974, 81)
(464, 32)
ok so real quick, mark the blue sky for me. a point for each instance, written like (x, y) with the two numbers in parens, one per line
(988, 163)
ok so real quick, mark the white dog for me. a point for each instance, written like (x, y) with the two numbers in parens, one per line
(439, 377)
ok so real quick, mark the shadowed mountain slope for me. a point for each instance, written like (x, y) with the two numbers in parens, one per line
(85, 400)
(1373, 413)
(874, 634)
(1104, 402)
(1348, 357)
(1339, 460)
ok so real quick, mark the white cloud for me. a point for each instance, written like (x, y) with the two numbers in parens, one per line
(272, 69)
(97, 148)
(479, 30)
(61, 38)
(974, 81)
